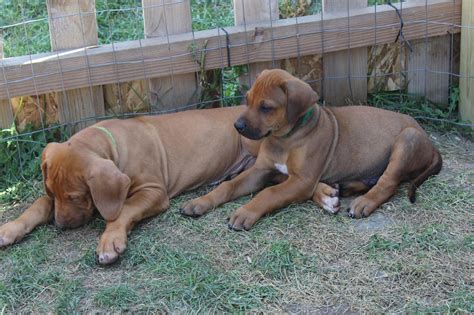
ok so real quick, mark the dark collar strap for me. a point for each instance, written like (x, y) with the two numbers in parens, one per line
(308, 117)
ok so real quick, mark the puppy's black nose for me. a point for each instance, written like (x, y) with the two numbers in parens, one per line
(240, 125)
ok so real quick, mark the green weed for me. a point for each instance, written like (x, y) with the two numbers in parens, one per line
(26, 276)
(120, 296)
(29, 38)
(280, 260)
(69, 297)
(435, 116)
(20, 161)
(191, 279)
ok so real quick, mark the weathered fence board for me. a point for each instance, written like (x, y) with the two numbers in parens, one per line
(466, 84)
(345, 72)
(73, 24)
(254, 11)
(163, 18)
(428, 66)
(158, 57)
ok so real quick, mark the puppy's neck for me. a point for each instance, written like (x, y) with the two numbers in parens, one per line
(307, 121)
(99, 141)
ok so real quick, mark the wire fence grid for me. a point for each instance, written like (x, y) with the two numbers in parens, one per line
(25, 24)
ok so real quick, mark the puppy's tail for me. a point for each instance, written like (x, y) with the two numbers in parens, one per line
(433, 169)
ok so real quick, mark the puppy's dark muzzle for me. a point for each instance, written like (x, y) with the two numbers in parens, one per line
(240, 125)
(71, 222)
(245, 130)
(248, 131)
(67, 224)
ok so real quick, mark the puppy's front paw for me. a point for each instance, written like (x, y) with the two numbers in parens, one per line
(111, 245)
(327, 197)
(196, 208)
(362, 207)
(11, 232)
(331, 204)
(242, 219)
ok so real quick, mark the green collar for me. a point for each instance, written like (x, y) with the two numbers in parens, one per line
(304, 120)
(108, 133)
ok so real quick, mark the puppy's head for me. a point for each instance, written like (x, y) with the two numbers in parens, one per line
(79, 181)
(274, 104)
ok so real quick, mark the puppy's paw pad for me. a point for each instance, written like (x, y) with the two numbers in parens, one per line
(242, 219)
(361, 207)
(120, 245)
(112, 243)
(191, 211)
(10, 233)
(5, 241)
(195, 208)
(107, 258)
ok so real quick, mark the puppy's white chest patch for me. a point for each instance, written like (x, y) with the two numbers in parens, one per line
(282, 168)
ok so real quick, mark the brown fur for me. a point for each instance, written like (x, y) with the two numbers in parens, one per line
(153, 160)
(346, 145)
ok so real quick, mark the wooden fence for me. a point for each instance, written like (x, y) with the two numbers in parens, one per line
(342, 33)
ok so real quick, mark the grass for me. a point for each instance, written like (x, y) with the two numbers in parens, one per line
(403, 259)
(279, 260)
(297, 260)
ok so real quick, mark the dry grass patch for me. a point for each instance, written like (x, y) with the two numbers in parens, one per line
(404, 258)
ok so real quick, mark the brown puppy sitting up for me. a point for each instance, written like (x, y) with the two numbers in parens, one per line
(366, 150)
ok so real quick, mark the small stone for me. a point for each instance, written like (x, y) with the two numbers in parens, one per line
(380, 274)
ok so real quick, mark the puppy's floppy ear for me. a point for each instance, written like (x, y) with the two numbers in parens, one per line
(44, 170)
(299, 97)
(109, 188)
(44, 165)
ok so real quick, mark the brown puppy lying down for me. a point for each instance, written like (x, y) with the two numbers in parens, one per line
(129, 169)
(366, 150)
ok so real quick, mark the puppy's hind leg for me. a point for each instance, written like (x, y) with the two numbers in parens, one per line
(356, 187)
(433, 169)
(412, 153)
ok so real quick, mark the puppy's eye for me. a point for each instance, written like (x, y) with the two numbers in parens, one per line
(74, 198)
(265, 109)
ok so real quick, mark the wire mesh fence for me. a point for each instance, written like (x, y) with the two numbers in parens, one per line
(68, 64)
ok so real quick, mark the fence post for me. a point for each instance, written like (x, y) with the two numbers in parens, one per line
(6, 113)
(466, 84)
(164, 18)
(253, 11)
(345, 72)
(73, 24)
(429, 54)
